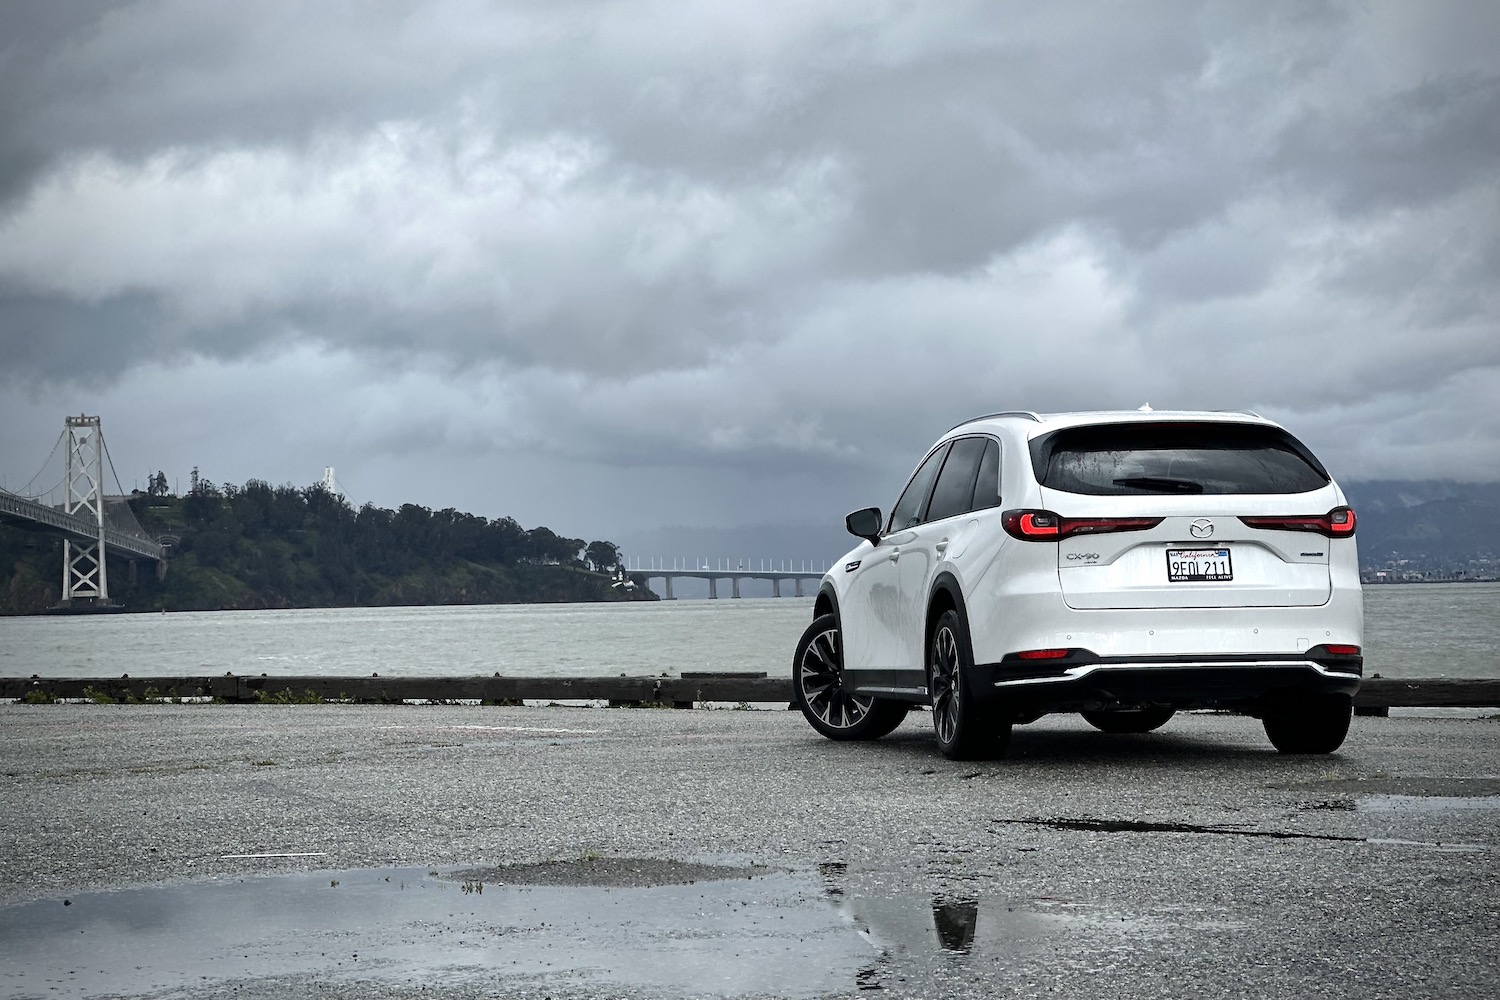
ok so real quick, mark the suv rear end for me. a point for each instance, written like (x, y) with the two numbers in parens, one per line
(1160, 561)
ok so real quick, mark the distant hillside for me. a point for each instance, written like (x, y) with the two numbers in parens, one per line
(259, 546)
(1430, 522)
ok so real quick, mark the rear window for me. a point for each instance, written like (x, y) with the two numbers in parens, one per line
(1175, 458)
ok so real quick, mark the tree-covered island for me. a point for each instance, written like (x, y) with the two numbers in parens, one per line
(262, 546)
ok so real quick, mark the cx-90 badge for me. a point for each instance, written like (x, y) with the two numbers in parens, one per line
(1202, 528)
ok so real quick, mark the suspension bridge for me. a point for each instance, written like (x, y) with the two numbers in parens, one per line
(67, 498)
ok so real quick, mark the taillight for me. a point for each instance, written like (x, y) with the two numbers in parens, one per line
(1042, 654)
(1337, 523)
(1032, 525)
(1340, 657)
(1045, 526)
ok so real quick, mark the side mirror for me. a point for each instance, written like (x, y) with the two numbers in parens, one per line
(865, 524)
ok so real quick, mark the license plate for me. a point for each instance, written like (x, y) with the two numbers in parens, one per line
(1198, 565)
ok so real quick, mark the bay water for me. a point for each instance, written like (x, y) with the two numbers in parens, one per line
(1416, 630)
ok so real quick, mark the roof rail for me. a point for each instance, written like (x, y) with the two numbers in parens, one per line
(1028, 414)
(1248, 413)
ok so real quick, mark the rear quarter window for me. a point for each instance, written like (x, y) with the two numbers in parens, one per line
(1175, 458)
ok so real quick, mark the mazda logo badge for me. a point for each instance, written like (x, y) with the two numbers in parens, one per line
(1202, 528)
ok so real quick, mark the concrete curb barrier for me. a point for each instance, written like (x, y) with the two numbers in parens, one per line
(1376, 696)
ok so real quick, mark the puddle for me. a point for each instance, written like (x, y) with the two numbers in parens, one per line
(606, 926)
(674, 929)
(1426, 803)
(986, 930)
(983, 930)
(601, 925)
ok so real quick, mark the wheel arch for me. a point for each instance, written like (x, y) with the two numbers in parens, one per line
(826, 603)
(946, 595)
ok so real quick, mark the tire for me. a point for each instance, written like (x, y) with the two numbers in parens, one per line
(1132, 720)
(818, 689)
(1317, 724)
(966, 729)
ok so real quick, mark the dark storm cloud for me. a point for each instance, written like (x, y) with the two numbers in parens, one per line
(1404, 149)
(135, 78)
(758, 239)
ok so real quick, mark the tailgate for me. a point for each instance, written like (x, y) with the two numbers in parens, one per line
(1196, 560)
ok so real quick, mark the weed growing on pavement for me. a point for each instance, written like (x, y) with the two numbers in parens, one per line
(286, 696)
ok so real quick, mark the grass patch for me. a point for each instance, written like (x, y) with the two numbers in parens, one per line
(287, 696)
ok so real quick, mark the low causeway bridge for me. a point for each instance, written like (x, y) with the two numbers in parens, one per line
(778, 574)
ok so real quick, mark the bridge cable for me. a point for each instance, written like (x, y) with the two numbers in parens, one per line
(135, 526)
(24, 491)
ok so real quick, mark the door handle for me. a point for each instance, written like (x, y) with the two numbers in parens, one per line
(896, 554)
(941, 546)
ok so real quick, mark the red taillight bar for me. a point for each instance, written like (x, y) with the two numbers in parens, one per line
(1042, 654)
(1337, 523)
(1032, 525)
(1045, 526)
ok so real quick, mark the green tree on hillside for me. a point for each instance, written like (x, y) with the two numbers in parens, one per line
(264, 546)
(602, 556)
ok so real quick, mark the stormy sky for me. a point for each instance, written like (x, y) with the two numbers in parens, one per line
(612, 267)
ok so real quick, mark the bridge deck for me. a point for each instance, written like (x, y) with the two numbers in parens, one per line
(20, 509)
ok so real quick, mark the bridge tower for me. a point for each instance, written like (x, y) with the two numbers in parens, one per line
(84, 571)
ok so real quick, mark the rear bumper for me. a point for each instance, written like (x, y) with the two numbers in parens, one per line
(1252, 683)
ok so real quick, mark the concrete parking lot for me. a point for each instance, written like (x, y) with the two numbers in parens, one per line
(591, 852)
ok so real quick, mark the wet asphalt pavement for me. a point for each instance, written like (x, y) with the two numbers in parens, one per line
(534, 852)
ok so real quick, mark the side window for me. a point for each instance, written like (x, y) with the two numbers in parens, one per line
(955, 485)
(987, 486)
(912, 505)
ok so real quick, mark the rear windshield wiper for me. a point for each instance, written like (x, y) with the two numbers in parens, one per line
(1161, 483)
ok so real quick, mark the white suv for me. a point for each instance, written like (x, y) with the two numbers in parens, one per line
(1122, 564)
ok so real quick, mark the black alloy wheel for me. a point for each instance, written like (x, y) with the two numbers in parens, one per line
(1130, 720)
(965, 728)
(1316, 724)
(818, 687)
